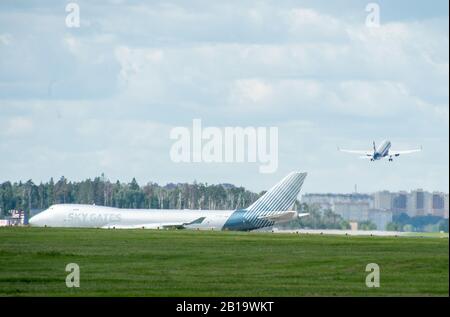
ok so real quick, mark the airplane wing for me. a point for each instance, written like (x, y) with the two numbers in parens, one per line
(141, 226)
(162, 225)
(284, 216)
(398, 153)
(360, 152)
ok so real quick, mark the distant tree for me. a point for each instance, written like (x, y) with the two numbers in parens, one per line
(443, 225)
(50, 193)
(7, 199)
(134, 184)
(408, 228)
(418, 223)
(393, 226)
(367, 225)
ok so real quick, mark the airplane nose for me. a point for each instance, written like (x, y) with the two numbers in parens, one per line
(34, 221)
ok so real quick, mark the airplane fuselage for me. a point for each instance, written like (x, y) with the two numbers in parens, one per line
(382, 150)
(271, 207)
(88, 216)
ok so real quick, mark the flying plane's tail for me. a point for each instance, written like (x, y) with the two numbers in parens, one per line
(279, 198)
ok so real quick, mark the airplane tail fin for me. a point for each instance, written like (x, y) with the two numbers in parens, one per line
(280, 197)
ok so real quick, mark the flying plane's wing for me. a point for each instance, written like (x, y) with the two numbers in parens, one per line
(360, 152)
(162, 225)
(284, 216)
(397, 153)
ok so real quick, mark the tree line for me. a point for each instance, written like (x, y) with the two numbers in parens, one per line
(100, 191)
(428, 223)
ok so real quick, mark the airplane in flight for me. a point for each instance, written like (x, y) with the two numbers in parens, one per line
(271, 208)
(380, 152)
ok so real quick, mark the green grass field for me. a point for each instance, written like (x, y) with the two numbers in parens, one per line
(196, 263)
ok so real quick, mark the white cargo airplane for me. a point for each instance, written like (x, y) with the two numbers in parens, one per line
(273, 207)
(383, 151)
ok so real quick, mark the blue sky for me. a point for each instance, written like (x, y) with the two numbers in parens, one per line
(102, 98)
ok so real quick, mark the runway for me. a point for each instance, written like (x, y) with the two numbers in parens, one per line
(358, 233)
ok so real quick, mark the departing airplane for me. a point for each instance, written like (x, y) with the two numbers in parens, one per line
(383, 151)
(271, 208)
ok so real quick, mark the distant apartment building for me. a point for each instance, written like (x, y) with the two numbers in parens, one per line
(361, 211)
(383, 200)
(438, 204)
(329, 201)
(380, 207)
(416, 203)
(446, 206)
(353, 211)
(419, 203)
(381, 218)
(400, 202)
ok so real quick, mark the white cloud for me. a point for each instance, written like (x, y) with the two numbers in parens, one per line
(248, 91)
(380, 68)
(17, 126)
(109, 91)
(5, 39)
(308, 23)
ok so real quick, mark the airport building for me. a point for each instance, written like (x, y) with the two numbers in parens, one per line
(17, 218)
